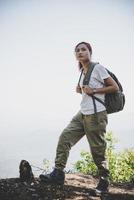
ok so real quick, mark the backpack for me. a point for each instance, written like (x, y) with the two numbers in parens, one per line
(114, 102)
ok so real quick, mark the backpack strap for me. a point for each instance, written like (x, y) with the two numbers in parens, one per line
(80, 77)
(88, 74)
(99, 100)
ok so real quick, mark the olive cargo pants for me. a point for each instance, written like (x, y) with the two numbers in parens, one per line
(94, 128)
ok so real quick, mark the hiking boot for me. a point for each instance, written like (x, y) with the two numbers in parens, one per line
(102, 186)
(57, 176)
(25, 169)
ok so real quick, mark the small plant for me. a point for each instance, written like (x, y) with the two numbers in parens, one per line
(86, 164)
(46, 165)
(121, 165)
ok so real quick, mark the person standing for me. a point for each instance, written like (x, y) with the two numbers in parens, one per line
(86, 121)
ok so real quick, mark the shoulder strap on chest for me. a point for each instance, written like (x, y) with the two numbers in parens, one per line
(80, 77)
(88, 74)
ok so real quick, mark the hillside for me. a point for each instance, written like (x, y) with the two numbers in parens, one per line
(77, 186)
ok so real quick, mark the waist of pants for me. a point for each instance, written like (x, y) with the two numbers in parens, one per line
(94, 114)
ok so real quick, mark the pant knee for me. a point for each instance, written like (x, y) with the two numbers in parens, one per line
(98, 154)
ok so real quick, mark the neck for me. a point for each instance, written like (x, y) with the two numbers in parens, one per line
(85, 65)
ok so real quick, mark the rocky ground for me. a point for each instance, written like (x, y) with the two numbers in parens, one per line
(76, 187)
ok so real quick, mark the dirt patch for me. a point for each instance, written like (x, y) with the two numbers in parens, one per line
(77, 186)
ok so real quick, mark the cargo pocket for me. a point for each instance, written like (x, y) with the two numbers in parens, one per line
(102, 120)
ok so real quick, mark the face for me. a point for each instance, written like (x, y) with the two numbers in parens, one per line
(82, 53)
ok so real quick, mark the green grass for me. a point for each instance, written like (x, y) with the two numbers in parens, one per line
(121, 164)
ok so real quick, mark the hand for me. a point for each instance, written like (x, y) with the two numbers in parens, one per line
(78, 89)
(86, 89)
